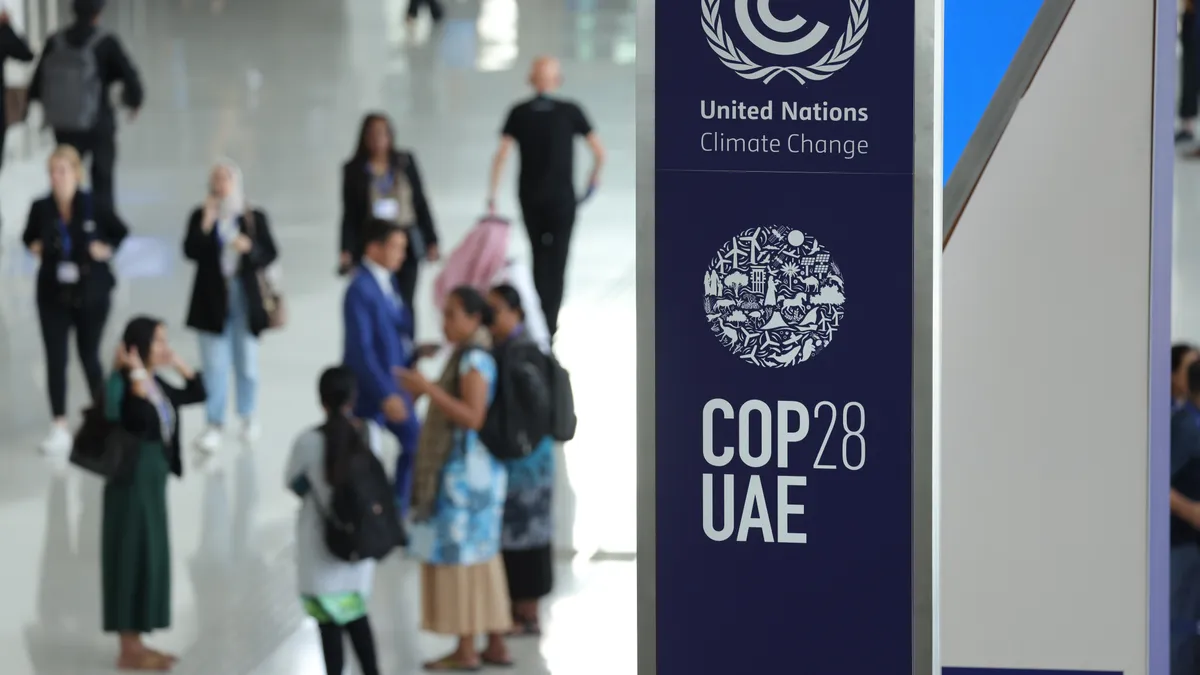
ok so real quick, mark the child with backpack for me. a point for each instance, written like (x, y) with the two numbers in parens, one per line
(347, 521)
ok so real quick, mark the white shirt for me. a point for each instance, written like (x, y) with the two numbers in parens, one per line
(383, 278)
(319, 572)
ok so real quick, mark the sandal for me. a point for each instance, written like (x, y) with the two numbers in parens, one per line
(169, 657)
(145, 661)
(498, 663)
(452, 664)
(525, 628)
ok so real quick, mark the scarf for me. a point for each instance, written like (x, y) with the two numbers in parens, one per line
(229, 211)
(166, 412)
(437, 434)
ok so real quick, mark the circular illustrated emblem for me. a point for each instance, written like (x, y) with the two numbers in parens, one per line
(735, 59)
(774, 296)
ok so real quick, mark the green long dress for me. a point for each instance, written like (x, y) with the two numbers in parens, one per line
(135, 550)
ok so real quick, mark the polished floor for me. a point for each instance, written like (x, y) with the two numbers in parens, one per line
(279, 86)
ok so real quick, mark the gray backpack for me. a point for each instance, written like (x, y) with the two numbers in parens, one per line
(71, 86)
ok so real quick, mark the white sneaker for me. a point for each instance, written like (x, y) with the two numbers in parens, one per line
(251, 430)
(210, 441)
(58, 441)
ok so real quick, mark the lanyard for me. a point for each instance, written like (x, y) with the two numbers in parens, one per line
(383, 183)
(64, 234)
(64, 230)
(166, 414)
(236, 229)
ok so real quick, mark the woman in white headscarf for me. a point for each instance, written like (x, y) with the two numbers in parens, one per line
(231, 245)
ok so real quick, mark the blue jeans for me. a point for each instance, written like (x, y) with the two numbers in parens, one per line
(234, 349)
(1185, 607)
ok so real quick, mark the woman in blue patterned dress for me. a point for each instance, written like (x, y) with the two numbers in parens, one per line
(458, 495)
(528, 510)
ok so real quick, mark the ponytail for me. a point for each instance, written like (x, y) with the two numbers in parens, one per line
(343, 436)
(343, 441)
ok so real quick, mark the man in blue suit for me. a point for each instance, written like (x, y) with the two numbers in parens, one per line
(379, 340)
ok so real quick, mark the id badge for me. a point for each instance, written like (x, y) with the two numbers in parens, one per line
(386, 209)
(68, 273)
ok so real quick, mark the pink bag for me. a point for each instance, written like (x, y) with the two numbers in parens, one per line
(475, 261)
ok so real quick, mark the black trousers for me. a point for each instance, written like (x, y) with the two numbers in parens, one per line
(549, 225)
(57, 320)
(3, 137)
(334, 647)
(101, 147)
(435, 8)
(1189, 69)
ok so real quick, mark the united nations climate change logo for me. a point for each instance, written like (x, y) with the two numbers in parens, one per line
(774, 296)
(784, 52)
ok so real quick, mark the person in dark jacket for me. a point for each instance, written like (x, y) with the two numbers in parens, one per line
(12, 46)
(75, 239)
(436, 10)
(525, 539)
(382, 182)
(135, 554)
(1189, 74)
(231, 245)
(114, 66)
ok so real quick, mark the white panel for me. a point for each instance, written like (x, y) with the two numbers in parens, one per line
(1046, 303)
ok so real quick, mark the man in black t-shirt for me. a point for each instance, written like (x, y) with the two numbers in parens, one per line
(544, 130)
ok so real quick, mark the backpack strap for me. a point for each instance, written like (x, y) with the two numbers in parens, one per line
(95, 39)
(59, 40)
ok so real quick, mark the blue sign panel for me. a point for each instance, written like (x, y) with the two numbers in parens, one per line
(784, 181)
(981, 40)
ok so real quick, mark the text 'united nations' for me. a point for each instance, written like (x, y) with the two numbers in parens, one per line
(789, 110)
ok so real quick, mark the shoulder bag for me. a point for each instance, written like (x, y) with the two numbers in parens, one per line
(272, 298)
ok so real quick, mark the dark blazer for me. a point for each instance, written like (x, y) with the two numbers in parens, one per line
(113, 64)
(12, 46)
(378, 339)
(87, 224)
(209, 307)
(356, 202)
(140, 418)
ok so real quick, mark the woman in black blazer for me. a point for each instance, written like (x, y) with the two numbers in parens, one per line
(382, 182)
(74, 240)
(231, 245)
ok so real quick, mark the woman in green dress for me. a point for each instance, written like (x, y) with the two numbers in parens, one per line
(136, 551)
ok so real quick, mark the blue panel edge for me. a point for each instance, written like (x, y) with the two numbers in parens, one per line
(1023, 671)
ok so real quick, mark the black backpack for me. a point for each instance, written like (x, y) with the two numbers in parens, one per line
(520, 415)
(563, 420)
(71, 85)
(362, 521)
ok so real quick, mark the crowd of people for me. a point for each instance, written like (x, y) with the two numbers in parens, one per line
(470, 495)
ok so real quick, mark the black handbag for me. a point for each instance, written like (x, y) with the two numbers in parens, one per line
(103, 447)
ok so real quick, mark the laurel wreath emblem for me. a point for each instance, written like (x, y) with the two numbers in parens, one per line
(833, 60)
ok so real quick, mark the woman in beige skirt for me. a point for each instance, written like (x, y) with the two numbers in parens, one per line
(459, 490)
